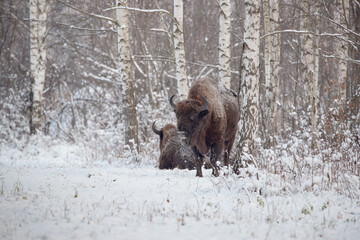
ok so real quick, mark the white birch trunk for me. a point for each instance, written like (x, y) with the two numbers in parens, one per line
(224, 43)
(309, 73)
(316, 70)
(42, 42)
(179, 50)
(272, 69)
(37, 60)
(124, 56)
(341, 15)
(250, 77)
(34, 44)
(267, 58)
(275, 63)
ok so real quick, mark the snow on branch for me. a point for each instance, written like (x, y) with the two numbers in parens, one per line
(144, 11)
(99, 78)
(100, 31)
(141, 10)
(138, 67)
(347, 30)
(301, 32)
(101, 65)
(336, 35)
(125, 7)
(340, 58)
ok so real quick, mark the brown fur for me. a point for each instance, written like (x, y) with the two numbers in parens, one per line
(174, 152)
(213, 129)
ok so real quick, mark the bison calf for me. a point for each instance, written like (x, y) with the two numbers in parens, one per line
(174, 152)
(209, 118)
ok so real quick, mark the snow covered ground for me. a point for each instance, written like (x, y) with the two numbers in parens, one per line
(55, 195)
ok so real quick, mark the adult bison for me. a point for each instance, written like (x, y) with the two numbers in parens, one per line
(174, 152)
(209, 118)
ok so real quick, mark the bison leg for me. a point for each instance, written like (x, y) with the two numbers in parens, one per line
(215, 153)
(198, 162)
(228, 146)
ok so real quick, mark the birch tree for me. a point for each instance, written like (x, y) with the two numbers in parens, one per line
(224, 43)
(179, 49)
(124, 68)
(316, 82)
(309, 71)
(37, 10)
(250, 77)
(355, 69)
(341, 16)
(272, 68)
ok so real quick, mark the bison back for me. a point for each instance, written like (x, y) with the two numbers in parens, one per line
(177, 154)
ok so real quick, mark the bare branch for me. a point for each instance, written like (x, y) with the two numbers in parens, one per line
(336, 35)
(302, 32)
(357, 2)
(141, 10)
(347, 30)
(90, 14)
(144, 11)
(83, 28)
(138, 67)
(15, 17)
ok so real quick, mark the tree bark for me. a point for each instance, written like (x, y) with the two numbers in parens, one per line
(224, 43)
(341, 16)
(179, 49)
(355, 79)
(37, 61)
(272, 69)
(250, 77)
(124, 56)
(309, 72)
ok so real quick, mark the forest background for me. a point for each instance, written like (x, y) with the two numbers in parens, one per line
(97, 74)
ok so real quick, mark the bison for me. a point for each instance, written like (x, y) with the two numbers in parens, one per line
(209, 118)
(174, 152)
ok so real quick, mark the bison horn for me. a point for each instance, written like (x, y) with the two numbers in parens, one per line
(158, 132)
(172, 103)
(205, 106)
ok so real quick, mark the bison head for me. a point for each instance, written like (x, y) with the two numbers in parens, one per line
(189, 114)
(164, 133)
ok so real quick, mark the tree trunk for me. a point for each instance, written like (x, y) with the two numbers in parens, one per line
(250, 77)
(129, 110)
(309, 72)
(224, 43)
(37, 61)
(355, 79)
(272, 69)
(179, 50)
(341, 16)
(267, 57)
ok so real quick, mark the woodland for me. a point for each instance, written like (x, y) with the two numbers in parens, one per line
(82, 82)
(295, 62)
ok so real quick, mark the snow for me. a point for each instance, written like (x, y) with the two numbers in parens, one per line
(54, 192)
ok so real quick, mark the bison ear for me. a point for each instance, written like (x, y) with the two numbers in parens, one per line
(203, 113)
